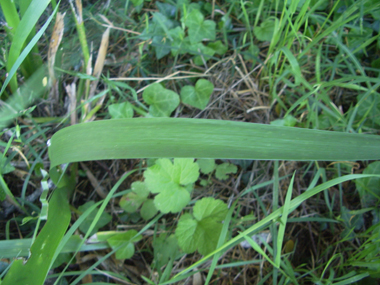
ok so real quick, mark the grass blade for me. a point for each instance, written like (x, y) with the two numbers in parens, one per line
(283, 221)
(169, 137)
(275, 215)
(25, 53)
(26, 25)
(42, 251)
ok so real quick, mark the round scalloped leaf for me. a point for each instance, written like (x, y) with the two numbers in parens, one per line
(223, 169)
(206, 165)
(162, 101)
(173, 182)
(172, 199)
(203, 230)
(218, 47)
(148, 210)
(133, 200)
(128, 249)
(265, 31)
(121, 110)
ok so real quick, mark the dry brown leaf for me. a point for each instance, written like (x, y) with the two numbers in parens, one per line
(99, 64)
(55, 41)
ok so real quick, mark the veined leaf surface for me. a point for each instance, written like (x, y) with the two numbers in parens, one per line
(200, 138)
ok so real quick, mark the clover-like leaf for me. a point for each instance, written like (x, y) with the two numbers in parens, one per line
(199, 95)
(127, 238)
(132, 201)
(265, 31)
(223, 169)
(201, 230)
(199, 29)
(173, 183)
(162, 101)
(121, 110)
(104, 219)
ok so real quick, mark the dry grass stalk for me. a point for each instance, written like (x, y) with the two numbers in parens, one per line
(55, 41)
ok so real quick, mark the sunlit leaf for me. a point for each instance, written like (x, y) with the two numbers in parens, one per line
(201, 230)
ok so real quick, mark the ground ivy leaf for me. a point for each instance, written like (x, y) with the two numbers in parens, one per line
(128, 249)
(252, 53)
(187, 169)
(199, 29)
(210, 208)
(162, 101)
(199, 95)
(166, 9)
(183, 172)
(148, 210)
(130, 202)
(265, 31)
(104, 219)
(206, 53)
(201, 231)
(288, 121)
(185, 232)
(208, 232)
(206, 165)
(173, 199)
(158, 176)
(187, 47)
(223, 169)
(165, 248)
(133, 200)
(218, 47)
(138, 5)
(140, 189)
(178, 36)
(161, 45)
(173, 182)
(121, 110)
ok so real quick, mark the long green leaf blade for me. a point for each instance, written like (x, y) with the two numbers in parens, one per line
(173, 137)
(26, 25)
(35, 270)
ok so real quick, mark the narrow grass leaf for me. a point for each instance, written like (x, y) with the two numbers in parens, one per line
(26, 25)
(21, 247)
(82, 218)
(276, 214)
(257, 248)
(25, 53)
(10, 15)
(222, 239)
(283, 221)
(45, 245)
